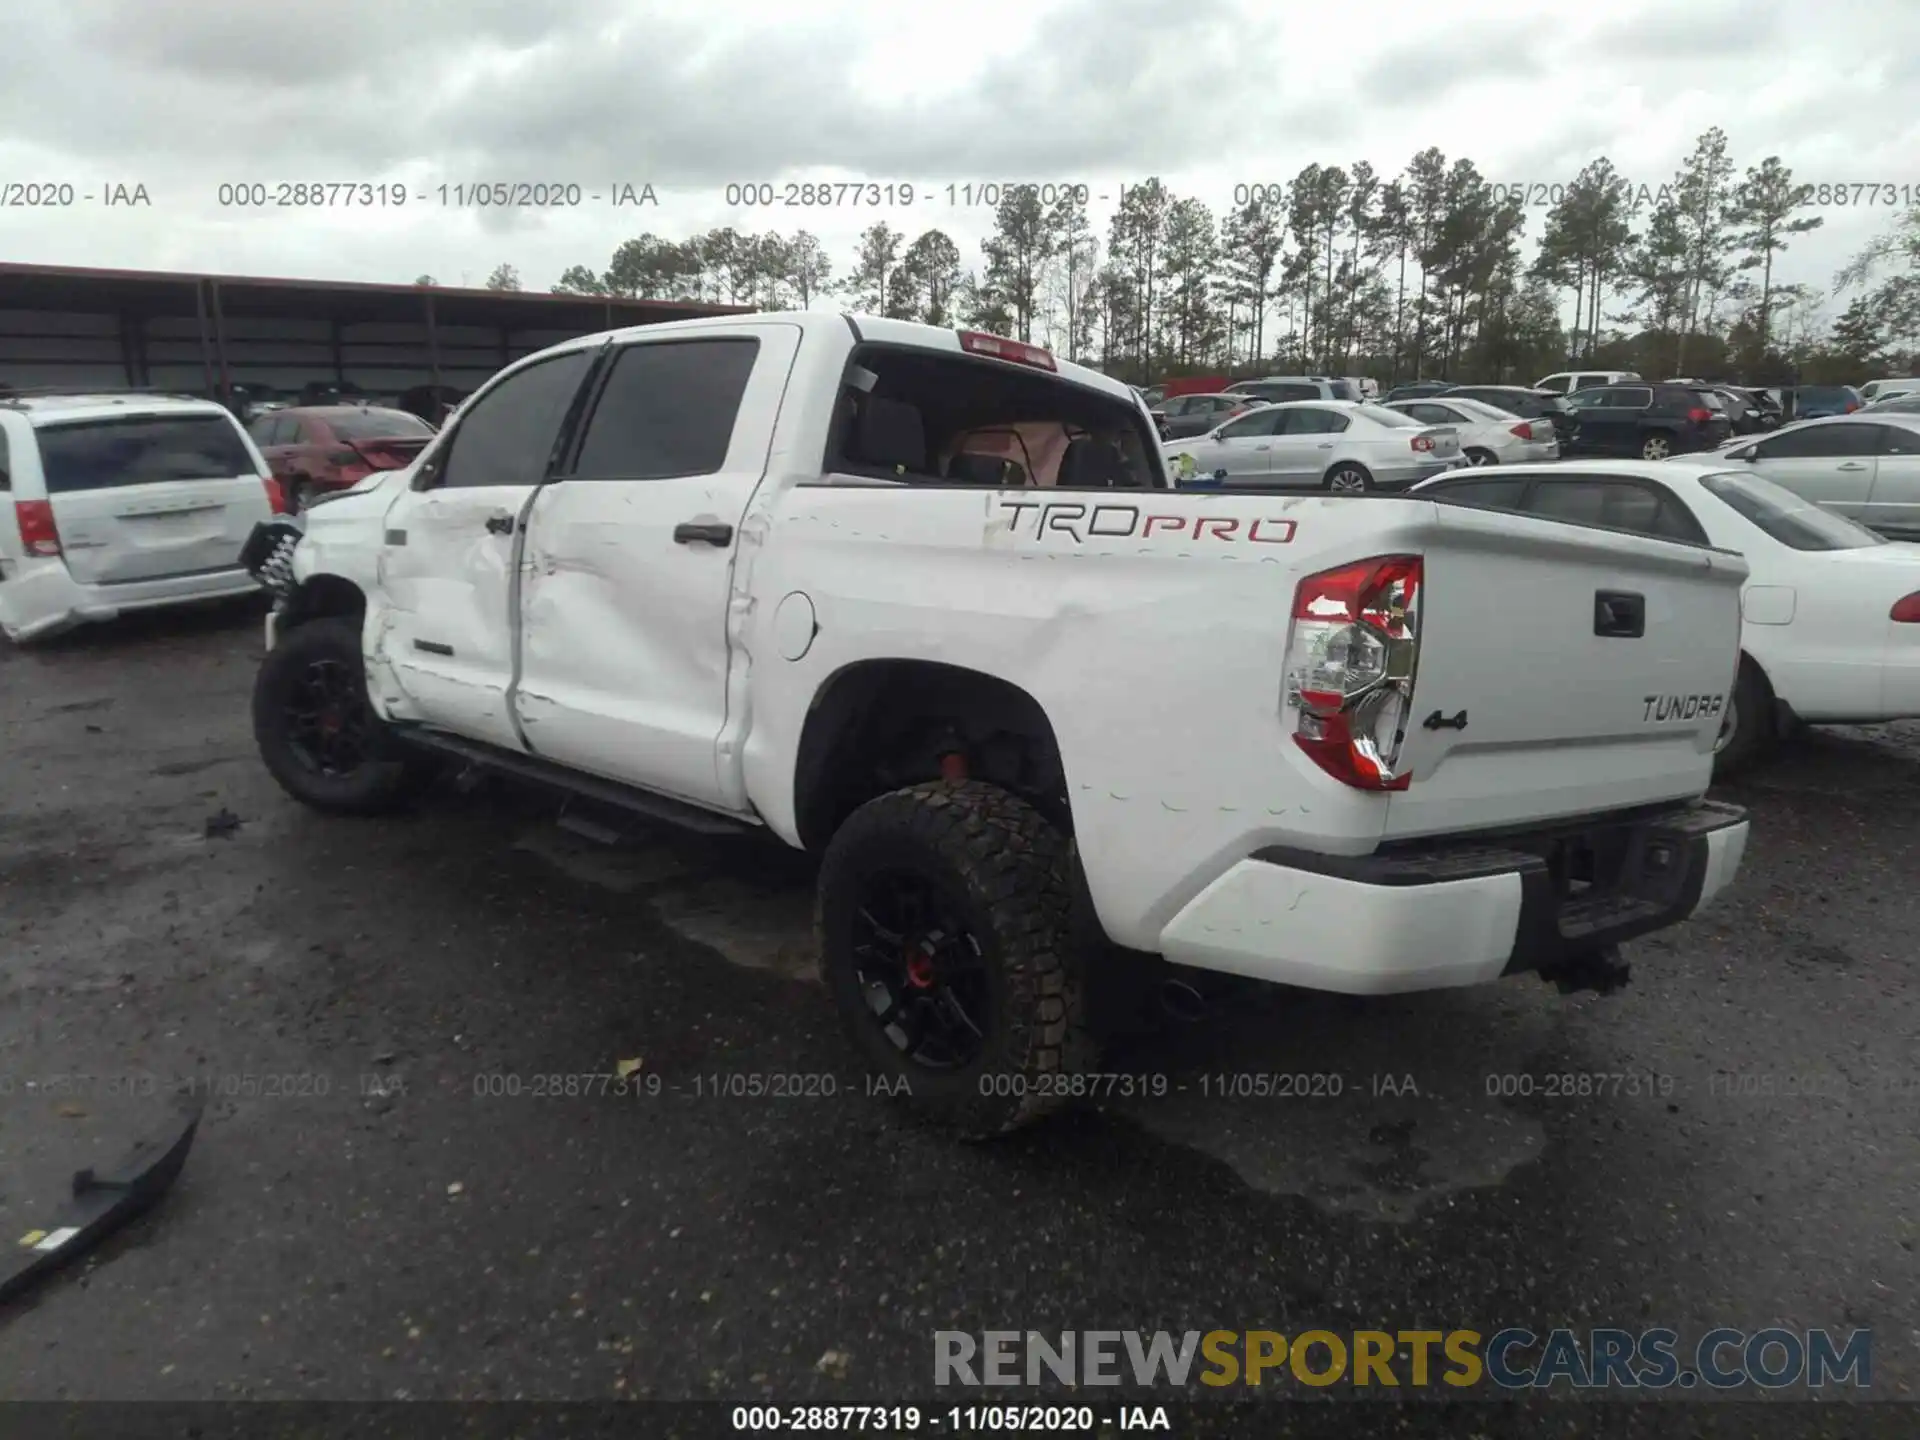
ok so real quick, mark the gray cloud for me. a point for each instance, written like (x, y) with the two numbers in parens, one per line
(1201, 92)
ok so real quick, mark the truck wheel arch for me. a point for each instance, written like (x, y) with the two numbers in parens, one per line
(321, 597)
(879, 725)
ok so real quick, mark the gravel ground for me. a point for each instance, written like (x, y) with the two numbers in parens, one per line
(371, 1213)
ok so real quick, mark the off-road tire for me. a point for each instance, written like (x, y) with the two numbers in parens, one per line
(1754, 731)
(389, 777)
(1009, 873)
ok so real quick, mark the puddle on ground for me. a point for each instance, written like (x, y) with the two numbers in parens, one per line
(1373, 1159)
(755, 927)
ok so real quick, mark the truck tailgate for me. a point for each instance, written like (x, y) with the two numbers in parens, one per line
(1528, 629)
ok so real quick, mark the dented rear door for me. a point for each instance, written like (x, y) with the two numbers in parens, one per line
(628, 567)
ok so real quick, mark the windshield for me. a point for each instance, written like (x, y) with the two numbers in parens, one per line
(1796, 523)
(1380, 415)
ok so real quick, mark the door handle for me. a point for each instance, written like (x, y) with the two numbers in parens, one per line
(1852, 465)
(1324, 445)
(1619, 614)
(1263, 447)
(501, 524)
(700, 534)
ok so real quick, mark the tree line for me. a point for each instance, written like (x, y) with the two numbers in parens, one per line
(1345, 271)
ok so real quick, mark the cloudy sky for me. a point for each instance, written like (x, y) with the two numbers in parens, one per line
(1208, 94)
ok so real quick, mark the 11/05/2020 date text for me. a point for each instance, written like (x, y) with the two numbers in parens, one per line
(872, 194)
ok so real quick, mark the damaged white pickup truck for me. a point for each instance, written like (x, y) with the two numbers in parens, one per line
(923, 602)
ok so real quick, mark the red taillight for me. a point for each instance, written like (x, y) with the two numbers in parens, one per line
(1423, 442)
(276, 495)
(1699, 415)
(1523, 430)
(1907, 611)
(978, 342)
(38, 534)
(1350, 664)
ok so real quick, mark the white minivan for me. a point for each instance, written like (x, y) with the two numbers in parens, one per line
(111, 503)
(1568, 381)
(1886, 389)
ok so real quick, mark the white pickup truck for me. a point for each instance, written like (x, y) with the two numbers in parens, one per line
(923, 602)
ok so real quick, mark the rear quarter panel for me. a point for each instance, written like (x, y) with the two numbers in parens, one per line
(1156, 653)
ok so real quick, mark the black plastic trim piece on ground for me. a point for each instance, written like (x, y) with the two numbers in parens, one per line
(102, 1202)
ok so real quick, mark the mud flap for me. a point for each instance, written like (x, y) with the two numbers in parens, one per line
(102, 1203)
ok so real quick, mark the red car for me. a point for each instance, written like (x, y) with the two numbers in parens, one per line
(319, 448)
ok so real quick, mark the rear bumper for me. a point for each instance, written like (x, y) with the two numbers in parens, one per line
(40, 599)
(1442, 915)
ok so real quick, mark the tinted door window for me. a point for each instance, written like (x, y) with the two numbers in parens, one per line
(1176, 407)
(260, 427)
(1581, 382)
(1313, 422)
(506, 436)
(6, 473)
(101, 454)
(1822, 442)
(1628, 397)
(1430, 414)
(1582, 502)
(289, 431)
(667, 409)
(1897, 439)
(1554, 382)
(1489, 492)
(1260, 422)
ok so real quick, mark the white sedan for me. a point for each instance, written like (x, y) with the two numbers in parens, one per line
(1831, 611)
(1344, 446)
(1487, 436)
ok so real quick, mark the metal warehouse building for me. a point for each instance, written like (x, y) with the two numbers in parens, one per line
(206, 334)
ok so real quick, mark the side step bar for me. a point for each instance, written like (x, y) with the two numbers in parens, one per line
(588, 787)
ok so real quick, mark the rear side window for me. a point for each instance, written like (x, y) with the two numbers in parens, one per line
(144, 450)
(1631, 397)
(1280, 394)
(1380, 415)
(6, 466)
(507, 435)
(667, 409)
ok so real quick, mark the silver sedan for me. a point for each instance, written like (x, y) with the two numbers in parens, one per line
(1865, 466)
(1339, 445)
